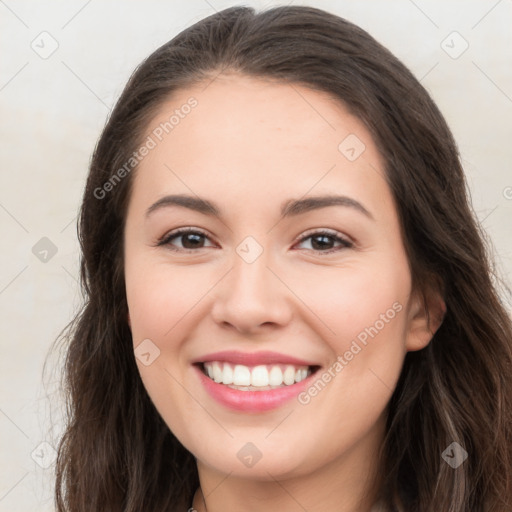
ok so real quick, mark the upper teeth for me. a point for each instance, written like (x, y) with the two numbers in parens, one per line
(260, 376)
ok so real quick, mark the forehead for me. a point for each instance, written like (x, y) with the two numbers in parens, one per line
(266, 115)
(257, 136)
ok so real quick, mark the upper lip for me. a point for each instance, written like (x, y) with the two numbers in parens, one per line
(253, 358)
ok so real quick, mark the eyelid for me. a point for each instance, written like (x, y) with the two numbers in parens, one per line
(323, 231)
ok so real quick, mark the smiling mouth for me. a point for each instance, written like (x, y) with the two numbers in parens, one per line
(256, 378)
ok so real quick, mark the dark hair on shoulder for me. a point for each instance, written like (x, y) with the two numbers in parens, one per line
(118, 455)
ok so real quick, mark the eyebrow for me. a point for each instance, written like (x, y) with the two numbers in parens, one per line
(289, 208)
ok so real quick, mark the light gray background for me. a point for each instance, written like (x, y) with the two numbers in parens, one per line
(52, 111)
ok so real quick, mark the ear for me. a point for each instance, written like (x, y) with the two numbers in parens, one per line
(426, 315)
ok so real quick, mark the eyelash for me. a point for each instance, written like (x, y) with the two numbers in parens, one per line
(166, 239)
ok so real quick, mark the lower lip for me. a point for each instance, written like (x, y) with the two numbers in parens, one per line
(251, 401)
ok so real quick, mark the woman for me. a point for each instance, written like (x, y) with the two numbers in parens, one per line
(288, 301)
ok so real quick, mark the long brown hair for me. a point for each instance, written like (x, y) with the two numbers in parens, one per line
(117, 454)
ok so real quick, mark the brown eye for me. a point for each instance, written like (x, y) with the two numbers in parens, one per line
(323, 242)
(190, 240)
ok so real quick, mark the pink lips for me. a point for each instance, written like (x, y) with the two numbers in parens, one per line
(251, 401)
(253, 359)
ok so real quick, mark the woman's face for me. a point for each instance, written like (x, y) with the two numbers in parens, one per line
(273, 285)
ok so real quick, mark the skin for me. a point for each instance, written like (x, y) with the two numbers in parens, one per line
(248, 146)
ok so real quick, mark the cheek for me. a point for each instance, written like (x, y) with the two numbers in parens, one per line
(364, 311)
(359, 302)
(160, 296)
(367, 312)
(161, 302)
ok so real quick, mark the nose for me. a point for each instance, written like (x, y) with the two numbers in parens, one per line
(252, 297)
